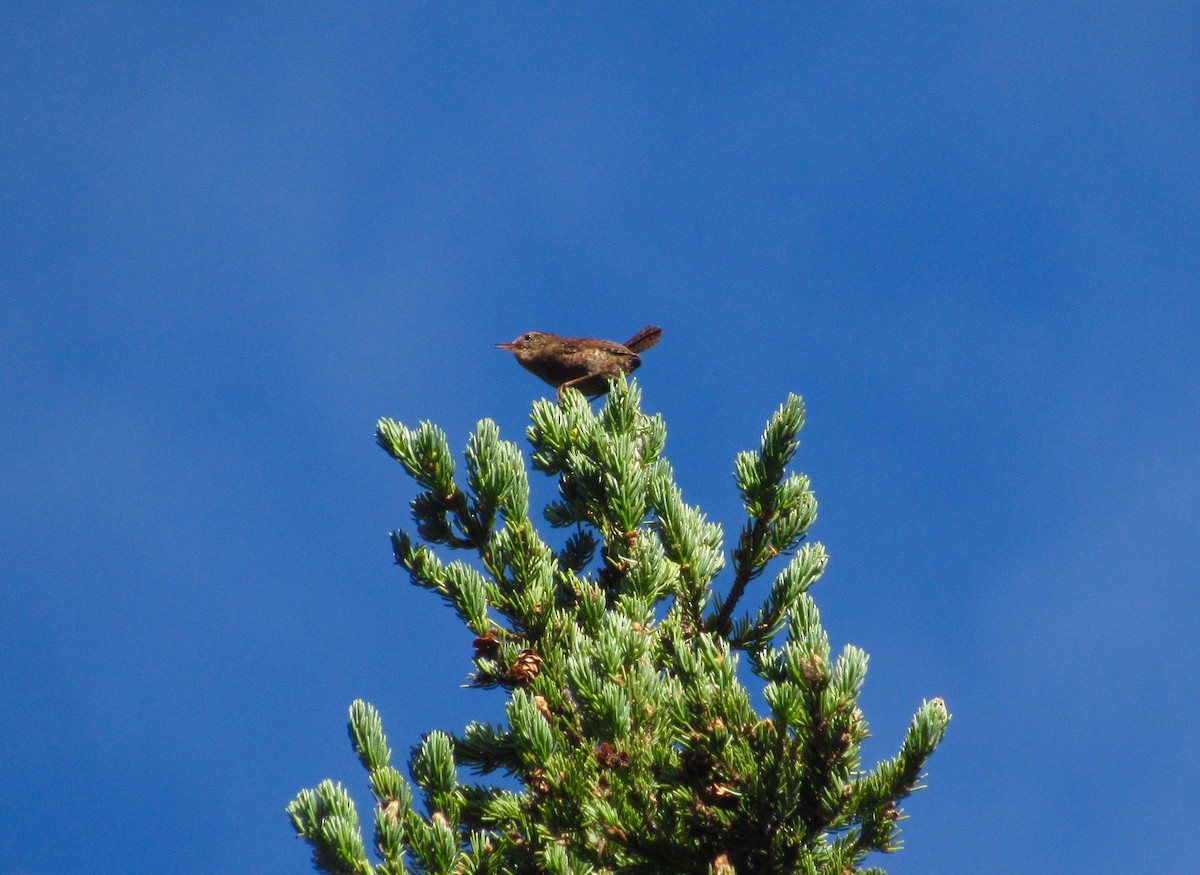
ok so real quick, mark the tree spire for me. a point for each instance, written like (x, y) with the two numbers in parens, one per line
(633, 744)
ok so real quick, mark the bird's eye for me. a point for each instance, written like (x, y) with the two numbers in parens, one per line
(528, 335)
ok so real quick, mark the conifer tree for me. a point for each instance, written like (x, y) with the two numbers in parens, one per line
(634, 746)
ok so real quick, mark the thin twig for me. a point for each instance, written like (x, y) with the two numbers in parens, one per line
(746, 572)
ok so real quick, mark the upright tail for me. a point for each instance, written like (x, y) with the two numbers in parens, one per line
(644, 339)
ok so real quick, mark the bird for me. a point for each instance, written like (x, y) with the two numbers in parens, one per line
(583, 363)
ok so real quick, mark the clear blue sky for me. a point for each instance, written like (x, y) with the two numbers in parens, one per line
(968, 234)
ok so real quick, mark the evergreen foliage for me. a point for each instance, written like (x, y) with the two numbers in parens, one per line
(634, 744)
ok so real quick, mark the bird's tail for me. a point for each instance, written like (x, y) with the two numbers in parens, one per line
(644, 339)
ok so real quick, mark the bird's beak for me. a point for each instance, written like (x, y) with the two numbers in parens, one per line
(504, 346)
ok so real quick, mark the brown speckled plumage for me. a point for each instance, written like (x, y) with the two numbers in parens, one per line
(583, 363)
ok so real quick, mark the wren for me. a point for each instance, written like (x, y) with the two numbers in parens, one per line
(583, 363)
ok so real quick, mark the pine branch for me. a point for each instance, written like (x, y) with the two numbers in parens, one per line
(780, 510)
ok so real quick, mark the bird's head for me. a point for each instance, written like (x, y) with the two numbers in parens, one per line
(528, 342)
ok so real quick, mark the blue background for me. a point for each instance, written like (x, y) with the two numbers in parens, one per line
(968, 234)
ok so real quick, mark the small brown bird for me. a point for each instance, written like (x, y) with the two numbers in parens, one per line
(583, 363)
